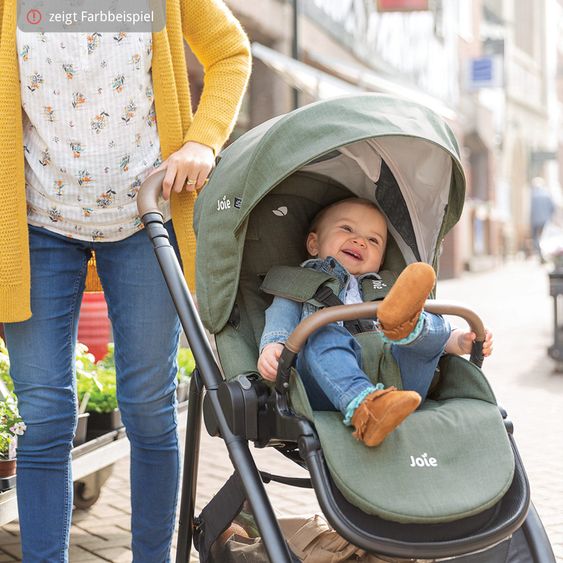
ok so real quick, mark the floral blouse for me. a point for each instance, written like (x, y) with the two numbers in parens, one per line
(90, 135)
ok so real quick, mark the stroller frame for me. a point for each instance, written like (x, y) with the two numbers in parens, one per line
(222, 400)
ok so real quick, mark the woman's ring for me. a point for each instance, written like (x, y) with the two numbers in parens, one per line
(190, 182)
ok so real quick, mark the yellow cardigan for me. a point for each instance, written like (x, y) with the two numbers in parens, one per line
(219, 43)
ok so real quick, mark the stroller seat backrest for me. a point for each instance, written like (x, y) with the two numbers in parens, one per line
(275, 236)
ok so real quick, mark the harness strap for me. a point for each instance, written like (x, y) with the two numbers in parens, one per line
(327, 297)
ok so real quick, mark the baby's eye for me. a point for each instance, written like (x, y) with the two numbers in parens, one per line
(346, 228)
(374, 241)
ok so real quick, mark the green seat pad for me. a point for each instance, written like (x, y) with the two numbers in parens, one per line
(449, 460)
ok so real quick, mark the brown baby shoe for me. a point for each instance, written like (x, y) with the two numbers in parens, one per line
(399, 311)
(381, 412)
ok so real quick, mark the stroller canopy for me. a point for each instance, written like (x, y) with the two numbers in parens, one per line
(358, 142)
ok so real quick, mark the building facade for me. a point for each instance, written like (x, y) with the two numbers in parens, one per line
(436, 56)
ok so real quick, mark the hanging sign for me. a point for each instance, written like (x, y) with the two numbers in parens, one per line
(402, 5)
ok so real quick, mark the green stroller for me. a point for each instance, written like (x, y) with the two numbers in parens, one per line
(448, 484)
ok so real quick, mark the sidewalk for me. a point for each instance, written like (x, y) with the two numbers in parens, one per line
(513, 301)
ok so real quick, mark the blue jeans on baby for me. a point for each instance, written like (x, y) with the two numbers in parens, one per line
(146, 332)
(330, 363)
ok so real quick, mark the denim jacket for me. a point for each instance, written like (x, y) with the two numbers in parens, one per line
(283, 315)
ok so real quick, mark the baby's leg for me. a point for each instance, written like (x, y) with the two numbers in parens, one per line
(418, 359)
(330, 367)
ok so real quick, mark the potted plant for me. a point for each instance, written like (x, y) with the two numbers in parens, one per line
(11, 426)
(5, 367)
(186, 364)
(97, 381)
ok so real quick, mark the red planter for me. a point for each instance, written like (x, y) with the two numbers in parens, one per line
(7, 468)
(94, 328)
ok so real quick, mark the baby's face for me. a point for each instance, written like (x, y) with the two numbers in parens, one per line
(354, 234)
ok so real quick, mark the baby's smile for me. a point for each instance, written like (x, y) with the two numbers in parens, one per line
(352, 253)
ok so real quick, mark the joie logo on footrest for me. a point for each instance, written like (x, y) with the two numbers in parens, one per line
(423, 461)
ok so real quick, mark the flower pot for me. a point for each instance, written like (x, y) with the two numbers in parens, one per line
(80, 434)
(103, 422)
(94, 328)
(7, 474)
(7, 468)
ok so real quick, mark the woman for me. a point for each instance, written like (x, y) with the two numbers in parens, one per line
(100, 112)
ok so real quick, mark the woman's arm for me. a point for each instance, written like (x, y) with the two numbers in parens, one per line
(221, 45)
(218, 41)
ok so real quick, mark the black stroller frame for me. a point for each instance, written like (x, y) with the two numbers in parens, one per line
(245, 409)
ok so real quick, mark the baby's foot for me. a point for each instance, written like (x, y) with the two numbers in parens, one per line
(381, 412)
(401, 308)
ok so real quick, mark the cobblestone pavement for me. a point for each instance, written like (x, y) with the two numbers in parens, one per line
(513, 301)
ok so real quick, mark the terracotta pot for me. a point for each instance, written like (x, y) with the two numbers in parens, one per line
(7, 468)
(94, 328)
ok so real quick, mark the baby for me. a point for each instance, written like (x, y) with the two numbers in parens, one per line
(347, 240)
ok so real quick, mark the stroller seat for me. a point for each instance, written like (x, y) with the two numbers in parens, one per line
(449, 460)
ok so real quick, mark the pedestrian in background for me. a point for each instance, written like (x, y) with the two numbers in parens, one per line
(541, 211)
(100, 112)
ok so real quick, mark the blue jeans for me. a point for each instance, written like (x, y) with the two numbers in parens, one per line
(146, 333)
(330, 363)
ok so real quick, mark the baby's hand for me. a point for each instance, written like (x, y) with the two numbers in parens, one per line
(460, 342)
(269, 360)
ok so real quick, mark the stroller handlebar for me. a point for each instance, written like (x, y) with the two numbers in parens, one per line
(328, 315)
(150, 190)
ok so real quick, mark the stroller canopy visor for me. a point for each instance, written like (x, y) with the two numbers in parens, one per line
(353, 141)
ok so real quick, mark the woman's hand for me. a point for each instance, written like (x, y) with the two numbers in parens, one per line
(269, 360)
(187, 168)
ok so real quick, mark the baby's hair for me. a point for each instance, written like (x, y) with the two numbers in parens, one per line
(322, 213)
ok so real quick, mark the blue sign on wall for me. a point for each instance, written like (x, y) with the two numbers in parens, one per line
(485, 72)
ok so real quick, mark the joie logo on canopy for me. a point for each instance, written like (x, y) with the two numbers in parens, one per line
(423, 461)
(225, 203)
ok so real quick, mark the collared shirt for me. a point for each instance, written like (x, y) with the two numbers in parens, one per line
(90, 135)
(353, 292)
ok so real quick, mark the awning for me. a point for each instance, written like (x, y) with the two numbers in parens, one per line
(373, 82)
(314, 82)
(322, 85)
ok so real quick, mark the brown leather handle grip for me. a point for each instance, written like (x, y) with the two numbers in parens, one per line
(150, 190)
(328, 315)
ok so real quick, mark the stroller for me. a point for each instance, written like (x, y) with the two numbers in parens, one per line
(448, 484)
